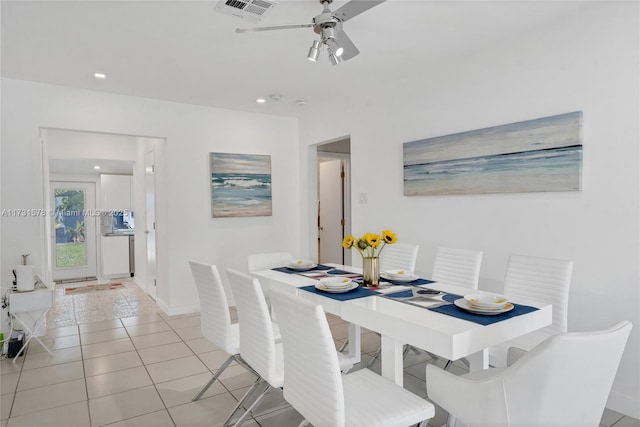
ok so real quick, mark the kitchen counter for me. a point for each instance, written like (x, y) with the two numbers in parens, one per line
(119, 233)
(117, 254)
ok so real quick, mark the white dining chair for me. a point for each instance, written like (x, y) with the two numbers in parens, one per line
(460, 267)
(399, 256)
(215, 319)
(268, 260)
(258, 347)
(540, 280)
(554, 384)
(315, 388)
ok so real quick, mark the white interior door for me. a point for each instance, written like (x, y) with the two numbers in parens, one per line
(331, 211)
(150, 222)
(73, 230)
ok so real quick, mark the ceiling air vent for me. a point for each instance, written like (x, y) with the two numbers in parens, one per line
(251, 10)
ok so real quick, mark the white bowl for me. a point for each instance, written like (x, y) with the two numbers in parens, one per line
(301, 264)
(488, 301)
(336, 282)
(398, 274)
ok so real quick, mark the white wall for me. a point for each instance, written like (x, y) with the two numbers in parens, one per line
(185, 227)
(587, 62)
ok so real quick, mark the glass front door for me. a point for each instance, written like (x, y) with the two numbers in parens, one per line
(74, 230)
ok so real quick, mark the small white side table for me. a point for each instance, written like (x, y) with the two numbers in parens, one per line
(38, 302)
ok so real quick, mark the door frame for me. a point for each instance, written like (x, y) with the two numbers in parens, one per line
(346, 196)
(151, 250)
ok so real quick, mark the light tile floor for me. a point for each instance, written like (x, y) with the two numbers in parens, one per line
(118, 361)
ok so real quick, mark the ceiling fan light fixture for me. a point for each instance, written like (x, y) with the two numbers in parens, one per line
(334, 59)
(314, 51)
(335, 47)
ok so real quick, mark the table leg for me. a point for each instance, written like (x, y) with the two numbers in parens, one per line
(355, 345)
(392, 360)
(479, 361)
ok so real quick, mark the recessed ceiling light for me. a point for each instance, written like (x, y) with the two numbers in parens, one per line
(100, 76)
(261, 100)
(96, 167)
(301, 102)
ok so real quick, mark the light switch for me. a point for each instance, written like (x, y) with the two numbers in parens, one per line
(364, 199)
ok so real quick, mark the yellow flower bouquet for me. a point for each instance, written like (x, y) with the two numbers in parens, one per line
(370, 246)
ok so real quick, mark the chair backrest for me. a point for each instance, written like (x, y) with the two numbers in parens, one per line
(459, 267)
(556, 383)
(312, 379)
(544, 280)
(215, 320)
(257, 341)
(399, 256)
(268, 260)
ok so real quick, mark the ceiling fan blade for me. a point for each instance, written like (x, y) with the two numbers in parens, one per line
(350, 49)
(279, 27)
(355, 8)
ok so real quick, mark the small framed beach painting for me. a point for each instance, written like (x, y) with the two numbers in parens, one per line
(532, 156)
(240, 185)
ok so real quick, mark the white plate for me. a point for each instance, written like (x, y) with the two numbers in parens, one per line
(410, 278)
(336, 282)
(302, 264)
(486, 301)
(398, 274)
(322, 287)
(464, 305)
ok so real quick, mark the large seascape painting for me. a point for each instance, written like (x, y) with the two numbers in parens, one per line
(240, 185)
(536, 155)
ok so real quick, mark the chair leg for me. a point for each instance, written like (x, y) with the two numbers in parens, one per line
(447, 365)
(244, 416)
(375, 356)
(423, 423)
(246, 396)
(343, 346)
(245, 365)
(215, 377)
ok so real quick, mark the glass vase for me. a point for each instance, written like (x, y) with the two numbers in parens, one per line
(370, 271)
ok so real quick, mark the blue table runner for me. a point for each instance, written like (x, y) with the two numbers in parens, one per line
(288, 270)
(453, 310)
(405, 283)
(359, 292)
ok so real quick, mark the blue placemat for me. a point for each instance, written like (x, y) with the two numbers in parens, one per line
(336, 271)
(413, 283)
(409, 293)
(453, 310)
(359, 292)
(294, 271)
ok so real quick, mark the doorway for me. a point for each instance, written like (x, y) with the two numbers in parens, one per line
(73, 237)
(334, 208)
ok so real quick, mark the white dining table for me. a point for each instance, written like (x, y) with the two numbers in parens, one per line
(400, 323)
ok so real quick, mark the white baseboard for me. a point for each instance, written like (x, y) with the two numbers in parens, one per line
(176, 311)
(623, 404)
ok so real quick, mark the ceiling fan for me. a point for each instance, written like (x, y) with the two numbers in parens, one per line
(329, 26)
